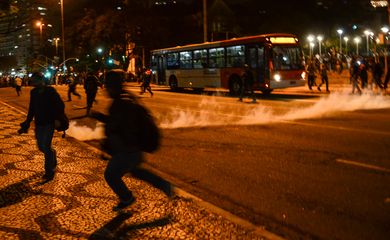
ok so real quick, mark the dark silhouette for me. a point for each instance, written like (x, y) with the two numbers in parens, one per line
(123, 142)
(146, 79)
(324, 77)
(18, 85)
(72, 84)
(247, 82)
(91, 85)
(311, 74)
(45, 106)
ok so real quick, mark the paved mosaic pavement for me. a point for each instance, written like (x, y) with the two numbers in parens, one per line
(77, 203)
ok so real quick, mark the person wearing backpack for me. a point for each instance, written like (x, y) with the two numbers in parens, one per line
(130, 131)
(45, 106)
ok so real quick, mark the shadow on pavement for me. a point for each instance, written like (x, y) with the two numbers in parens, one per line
(113, 229)
(17, 192)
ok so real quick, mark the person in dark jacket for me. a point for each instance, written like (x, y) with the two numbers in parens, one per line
(146, 79)
(247, 82)
(45, 105)
(91, 85)
(123, 133)
(72, 85)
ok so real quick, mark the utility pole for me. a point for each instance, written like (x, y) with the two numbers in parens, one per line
(205, 21)
(63, 33)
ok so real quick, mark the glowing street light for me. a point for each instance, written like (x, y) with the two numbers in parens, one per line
(340, 32)
(310, 38)
(367, 33)
(346, 44)
(319, 38)
(40, 25)
(357, 41)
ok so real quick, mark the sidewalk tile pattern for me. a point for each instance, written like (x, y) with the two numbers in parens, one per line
(77, 203)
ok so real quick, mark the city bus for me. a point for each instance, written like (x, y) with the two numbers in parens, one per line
(276, 61)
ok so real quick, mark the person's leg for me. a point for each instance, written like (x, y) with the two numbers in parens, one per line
(69, 94)
(44, 137)
(117, 167)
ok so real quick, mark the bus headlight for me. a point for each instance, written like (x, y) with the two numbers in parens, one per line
(277, 77)
(303, 75)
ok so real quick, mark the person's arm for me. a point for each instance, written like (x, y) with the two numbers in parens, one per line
(24, 126)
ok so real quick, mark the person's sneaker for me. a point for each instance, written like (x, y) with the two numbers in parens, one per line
(123, 204)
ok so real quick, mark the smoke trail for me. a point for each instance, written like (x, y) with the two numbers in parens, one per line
(84, 133)
(210, 113)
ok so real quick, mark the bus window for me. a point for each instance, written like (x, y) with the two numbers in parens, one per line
(186, 59)
(252, 57)
(235, 56)
(172, 60)
(216, 57)
(200, 58)
(287, 58)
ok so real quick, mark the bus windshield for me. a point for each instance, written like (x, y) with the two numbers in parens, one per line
(287, 58)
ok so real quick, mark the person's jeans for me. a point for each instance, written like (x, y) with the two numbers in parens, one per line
(117, 167)
(44, 136)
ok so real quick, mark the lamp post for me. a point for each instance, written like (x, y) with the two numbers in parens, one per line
(367, 33)
(310, 38)
(357, 41)
(56, 44)
(205, 21)
(319, 38)
(346, 45)
(63, 34)
(340, 32)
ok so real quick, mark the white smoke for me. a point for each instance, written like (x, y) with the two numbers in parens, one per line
(85, 133)
(211, 113)
(328, 105)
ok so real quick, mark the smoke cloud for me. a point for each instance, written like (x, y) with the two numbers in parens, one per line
(211, 113)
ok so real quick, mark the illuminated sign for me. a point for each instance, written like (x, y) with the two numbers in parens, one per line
(379, 3)
(283, 40)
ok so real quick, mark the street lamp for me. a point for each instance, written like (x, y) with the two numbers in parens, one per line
(346, 44)
(340, 32)
(56, 44)
(319, 38)
(63, 33)
(310, 38)
(357, 41)
(367, 33)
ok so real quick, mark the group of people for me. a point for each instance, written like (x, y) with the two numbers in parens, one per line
(122, 137)
(314, 67)
(359, 72)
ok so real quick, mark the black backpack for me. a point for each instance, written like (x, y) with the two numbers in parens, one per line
(149, 136)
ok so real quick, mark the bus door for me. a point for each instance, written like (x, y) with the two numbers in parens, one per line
(161, 65)
(255, 55)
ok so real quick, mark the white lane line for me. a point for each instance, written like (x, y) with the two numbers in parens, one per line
(333, 127)
(364, 165)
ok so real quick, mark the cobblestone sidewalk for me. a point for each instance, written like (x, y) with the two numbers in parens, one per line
(77, 203)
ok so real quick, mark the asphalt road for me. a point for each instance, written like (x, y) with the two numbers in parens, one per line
(303, 165)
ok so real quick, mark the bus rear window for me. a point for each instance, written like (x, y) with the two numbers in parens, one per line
(287, 58)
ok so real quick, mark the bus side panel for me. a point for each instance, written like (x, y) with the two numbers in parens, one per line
(227, 73)
(196, 78)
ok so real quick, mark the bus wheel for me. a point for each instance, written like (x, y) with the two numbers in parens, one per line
(266, 91)
(235, 86)
(173, 83)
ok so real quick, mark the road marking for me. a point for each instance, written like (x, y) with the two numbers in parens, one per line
(334, 127)
(364, 165)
